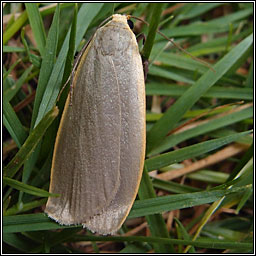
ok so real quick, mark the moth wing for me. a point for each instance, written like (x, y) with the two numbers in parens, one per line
(129, 70)
(86, 161)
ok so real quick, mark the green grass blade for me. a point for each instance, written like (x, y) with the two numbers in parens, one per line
(11, 92)
(7, 73)
(184, 233)
(204, 128)
(37, 26)
(156, 222)
(86, 14)
(13, 124)
(18, 242)
(156, 10)
(32, 141)
(24, 207)
(209, 176)
(47, 65)
(29, 222)
(34, 59)
(190, 151)
(179, 61)
(71, 48)
(186, 101)
(198, 9)
(214, 244)
(27, 188)
(245, 159)
(7, 48)
(174, 202)
(173, 187)
(217, 25)
(15, 27)
(214, 92)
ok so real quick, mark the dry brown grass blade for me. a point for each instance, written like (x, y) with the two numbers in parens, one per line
(219, 156)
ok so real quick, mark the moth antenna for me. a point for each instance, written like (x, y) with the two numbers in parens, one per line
(176, 45)
(136, 18)
(181, 49)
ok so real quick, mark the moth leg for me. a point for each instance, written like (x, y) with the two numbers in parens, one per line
(145, 67)
(144, 60)
(141, 36)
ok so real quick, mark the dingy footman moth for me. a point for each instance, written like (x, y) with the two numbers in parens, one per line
(100, 146)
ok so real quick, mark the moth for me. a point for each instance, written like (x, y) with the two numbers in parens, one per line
(100, 145)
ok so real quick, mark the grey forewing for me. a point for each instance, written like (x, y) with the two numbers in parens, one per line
(100, 147)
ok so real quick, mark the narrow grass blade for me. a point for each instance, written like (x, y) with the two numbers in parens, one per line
(190, 151)
(27, 188)
(13, 124)
(29, 222)
(214, 92)
(32, 141)
(187, 100)
(173, 187)
(47, 64)
(25, 207)
(37, 26)
(184, 233)
(211, 125)
(86, 14)
(7, 35)
(156, 222)
(156, 10)
(11, 92)
(174, 202)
